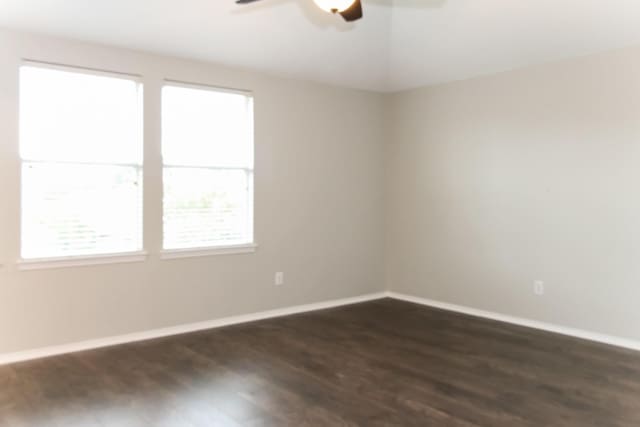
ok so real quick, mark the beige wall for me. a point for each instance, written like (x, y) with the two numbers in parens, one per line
(491, 183)
(528, 175)
(318, 209)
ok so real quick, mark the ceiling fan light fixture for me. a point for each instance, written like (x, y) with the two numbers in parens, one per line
(334, 6)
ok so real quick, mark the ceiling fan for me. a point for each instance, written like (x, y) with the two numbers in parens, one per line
(350, 10)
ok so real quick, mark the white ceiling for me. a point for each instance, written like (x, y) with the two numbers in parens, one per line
(399, 44)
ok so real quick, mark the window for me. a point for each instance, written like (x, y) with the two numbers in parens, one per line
(207, 150)
(81, 148)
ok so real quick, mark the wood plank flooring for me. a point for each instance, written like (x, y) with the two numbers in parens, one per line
(382, 363)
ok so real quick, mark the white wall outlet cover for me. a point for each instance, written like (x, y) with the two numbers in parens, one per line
(538, 287)
(279, 279)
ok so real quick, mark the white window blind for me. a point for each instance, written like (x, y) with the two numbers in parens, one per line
(81, 147)
(207, 149)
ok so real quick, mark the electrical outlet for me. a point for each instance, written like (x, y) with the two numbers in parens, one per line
(538, 287)
(279, 278)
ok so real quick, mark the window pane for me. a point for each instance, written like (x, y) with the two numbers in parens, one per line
(74, 116)
(206, 128)
(80, 210)
(206, 207)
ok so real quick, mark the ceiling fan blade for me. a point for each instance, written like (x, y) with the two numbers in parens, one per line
(245, 1)
(353, 13)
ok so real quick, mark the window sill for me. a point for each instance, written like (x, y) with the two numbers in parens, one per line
(81, 261)
(202, 252)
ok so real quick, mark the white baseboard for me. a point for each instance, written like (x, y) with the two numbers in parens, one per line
(22, 356)
(572, 332)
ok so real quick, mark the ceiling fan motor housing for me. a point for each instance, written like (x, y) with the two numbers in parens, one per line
(350, 10)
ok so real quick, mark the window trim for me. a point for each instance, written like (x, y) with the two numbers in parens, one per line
(81, 260)
(25, 62)
(142, 255)
(139, 255)
(246, 248)
(249, 247)
(204, 86)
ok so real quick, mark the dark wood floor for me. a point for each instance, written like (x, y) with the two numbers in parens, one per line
(383, 363)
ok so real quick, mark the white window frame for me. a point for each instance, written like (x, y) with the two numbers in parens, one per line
(249, 171)
(93, 259)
